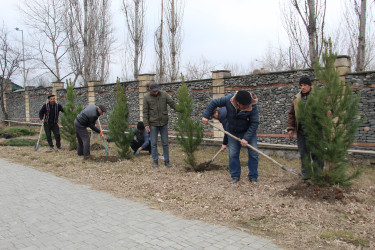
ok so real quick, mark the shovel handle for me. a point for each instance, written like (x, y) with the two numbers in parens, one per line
(213, 158)
(256, 150)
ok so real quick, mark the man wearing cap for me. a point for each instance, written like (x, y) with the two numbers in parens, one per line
(87, 118)
(142, 139)
(242, 122)
(49, 115)
(295, 126)
(155, 118)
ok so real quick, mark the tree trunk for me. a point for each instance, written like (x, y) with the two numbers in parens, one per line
(361, 38)
(312, 31)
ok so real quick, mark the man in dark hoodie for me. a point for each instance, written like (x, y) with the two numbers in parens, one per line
(142, 139)
(87, 118)
(242, 122)
(295, 126)
(49, 115)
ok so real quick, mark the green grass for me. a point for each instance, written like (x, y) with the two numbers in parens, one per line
(344, 235)
(18, 131)
(18, 142)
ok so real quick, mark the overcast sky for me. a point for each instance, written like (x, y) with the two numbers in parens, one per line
(221, 31)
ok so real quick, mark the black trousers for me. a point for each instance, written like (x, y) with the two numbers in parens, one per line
(304, 151)
(83, 138)
(135, 145)
(54, 127)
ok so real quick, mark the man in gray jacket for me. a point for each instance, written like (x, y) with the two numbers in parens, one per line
(155, 118)
(87, 118)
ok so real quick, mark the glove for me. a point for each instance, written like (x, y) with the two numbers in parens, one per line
(101, 133)
(138, 152)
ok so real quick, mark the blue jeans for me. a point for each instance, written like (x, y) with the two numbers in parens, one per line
(234, 157)
(164, 142)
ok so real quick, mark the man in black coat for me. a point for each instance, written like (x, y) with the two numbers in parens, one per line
(49, 115)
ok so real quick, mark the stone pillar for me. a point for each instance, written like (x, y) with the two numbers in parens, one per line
(56, 86)
(143, 81)
(218, 91)
(343, 64)
(7, 90)
(27, 103)
(91, 91)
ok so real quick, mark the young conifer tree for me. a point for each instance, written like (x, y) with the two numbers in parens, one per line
(71, 110)
(119, 130)
(330, 118)
(190, 132)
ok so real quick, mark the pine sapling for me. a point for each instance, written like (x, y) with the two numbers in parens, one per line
(190, 131)
(71, 110)
(330, 118)
(119, 130)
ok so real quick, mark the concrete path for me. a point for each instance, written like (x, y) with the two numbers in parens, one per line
(41, 211)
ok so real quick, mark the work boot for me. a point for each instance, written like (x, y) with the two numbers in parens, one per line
(235, 180)
(51, 148)
(167, 164)
(60, 148)
(155, 165)
(253, 180)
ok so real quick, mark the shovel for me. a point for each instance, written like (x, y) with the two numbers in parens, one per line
(213, 158)
(37, 146)
(258, 151)
(105, 144)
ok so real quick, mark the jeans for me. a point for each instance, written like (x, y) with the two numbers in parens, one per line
(305, 151)
(154, 130)
(234, 157)
(135, 145)
(54, 127)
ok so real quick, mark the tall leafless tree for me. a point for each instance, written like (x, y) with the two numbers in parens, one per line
(346, 38)
(45, 18)
(159, 47)
(174, 15)
(10, 59)
(135, 19)
(198, 70)
(360, 65)
(90, 38)
(305, 19)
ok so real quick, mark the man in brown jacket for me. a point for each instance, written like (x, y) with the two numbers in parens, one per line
(155, 119)
(295, 126)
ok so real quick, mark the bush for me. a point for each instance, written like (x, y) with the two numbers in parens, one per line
(18, 142)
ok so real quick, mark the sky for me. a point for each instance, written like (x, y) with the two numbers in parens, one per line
(220, 31)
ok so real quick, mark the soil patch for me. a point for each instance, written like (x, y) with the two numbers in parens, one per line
(105, 158)
(97, 146)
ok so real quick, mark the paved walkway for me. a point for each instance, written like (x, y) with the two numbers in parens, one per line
(41, 211)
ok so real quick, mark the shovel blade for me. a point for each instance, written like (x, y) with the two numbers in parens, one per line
(37, 146)
(106, 149)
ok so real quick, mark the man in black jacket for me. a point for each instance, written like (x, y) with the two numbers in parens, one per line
(87, 118)
(49, 115)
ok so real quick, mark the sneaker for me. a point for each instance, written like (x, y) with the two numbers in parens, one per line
(51, 148)
(235, 180)
(60, 148)
(167, 164)
(155, 165)
(253, 180)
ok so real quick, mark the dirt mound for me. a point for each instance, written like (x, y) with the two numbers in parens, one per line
(107, 159)
(97, 146)
(309, 191)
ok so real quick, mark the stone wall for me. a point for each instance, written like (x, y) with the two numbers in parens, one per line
(274, 90)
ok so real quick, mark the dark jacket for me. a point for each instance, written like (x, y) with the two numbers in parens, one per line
(155, 112)
(243, 123)
(143, 137)
(50, 113)
(88, 117)
(222, 117)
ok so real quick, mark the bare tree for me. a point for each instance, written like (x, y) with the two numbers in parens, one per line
(346, 38)
(45, 18)
(198, 71)
(10, 59)
(90, 38)
(135, 19)
(159, 48)
(175, 11)
(362, 37)
(305, 19)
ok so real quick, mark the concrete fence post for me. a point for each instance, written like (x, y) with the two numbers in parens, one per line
(91, 91)
(343, 64)
(143, 81)
(27, 102)
(218, 90)
(56, 86)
